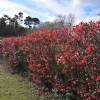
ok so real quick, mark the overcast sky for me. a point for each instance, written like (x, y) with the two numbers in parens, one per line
(46, 10)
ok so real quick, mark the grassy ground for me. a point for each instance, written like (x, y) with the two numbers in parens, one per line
(14, 87)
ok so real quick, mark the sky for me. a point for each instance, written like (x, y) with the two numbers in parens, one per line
(47, 10)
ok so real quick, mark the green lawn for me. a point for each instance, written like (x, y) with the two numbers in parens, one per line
(14, 87)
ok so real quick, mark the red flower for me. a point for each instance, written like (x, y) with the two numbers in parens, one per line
(94, 59)
(46, 89)
(90, 48)
(76, 54)
(82, 62)
(98, 78)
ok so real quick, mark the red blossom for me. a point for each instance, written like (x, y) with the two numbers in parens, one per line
(56, 59)
(98, 78)
(90, 48)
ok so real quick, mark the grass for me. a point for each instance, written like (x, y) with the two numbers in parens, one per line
(14, 87)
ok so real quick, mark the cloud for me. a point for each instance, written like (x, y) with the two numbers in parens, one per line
(76, 7)
(56, 7)
(50, 18)
(11, 8)
(85, 2)
(46, 10)
(87, 19)
(52, 6)
(89, 1)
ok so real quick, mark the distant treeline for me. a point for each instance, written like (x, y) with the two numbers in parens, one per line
(15, 26)
(18, 26)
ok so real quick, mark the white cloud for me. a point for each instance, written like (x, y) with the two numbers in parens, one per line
(48, 9)
(75, 7)
(51, 5)
(89, 1)
(55, 7)
(50, 18)
(86, 19)
(85, 2)
(10, 8)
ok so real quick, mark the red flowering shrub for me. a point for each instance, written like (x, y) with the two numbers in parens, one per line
(60, 62)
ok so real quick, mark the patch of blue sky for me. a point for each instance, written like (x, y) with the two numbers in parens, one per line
(91, 10)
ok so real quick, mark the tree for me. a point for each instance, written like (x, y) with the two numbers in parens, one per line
(20, 16)
(11, 26)
(35, 21)
(29, 21)
(2, 26)
(15, 21)
(60, 20)
(7, 19)
(70, 21)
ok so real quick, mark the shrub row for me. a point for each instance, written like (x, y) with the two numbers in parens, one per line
(58, 61)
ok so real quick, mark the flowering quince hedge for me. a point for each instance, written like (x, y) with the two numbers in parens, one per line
(58, 61)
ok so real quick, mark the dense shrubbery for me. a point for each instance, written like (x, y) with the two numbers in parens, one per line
(59, 62)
